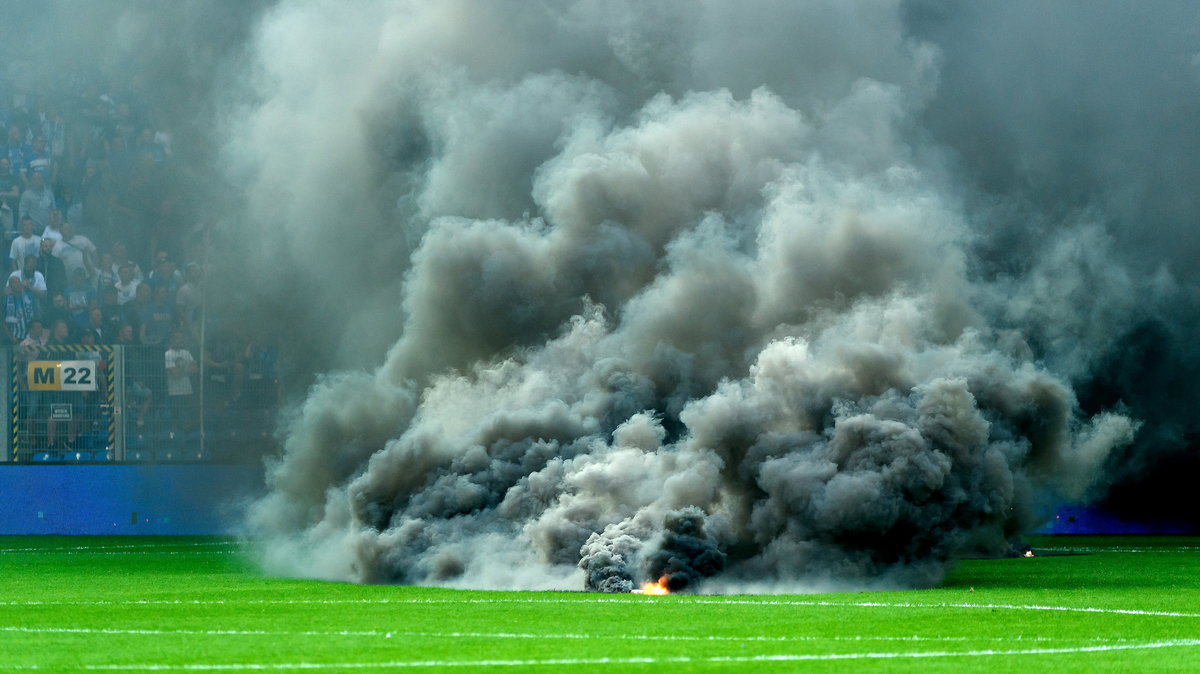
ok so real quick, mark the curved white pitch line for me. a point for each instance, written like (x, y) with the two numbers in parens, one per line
(624, 602)
(784, 657)
(20, 629)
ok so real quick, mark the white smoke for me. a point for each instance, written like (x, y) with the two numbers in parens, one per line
(673, 288)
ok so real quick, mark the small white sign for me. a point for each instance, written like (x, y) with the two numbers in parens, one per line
(78, 375)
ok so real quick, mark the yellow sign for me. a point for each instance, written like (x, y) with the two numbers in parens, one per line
(62, 375)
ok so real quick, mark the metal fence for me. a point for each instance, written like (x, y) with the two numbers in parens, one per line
(76, 403)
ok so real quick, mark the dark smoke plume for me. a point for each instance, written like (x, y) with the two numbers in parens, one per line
(754, 296)
(685, 554)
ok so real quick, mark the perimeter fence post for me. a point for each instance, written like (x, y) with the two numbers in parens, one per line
(117, 399)
(10, 398)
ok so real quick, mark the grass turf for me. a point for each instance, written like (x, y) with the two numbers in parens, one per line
(194, 604)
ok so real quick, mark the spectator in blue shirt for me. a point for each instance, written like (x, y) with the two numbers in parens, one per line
(81, 298)
(10, 194)
(38, 200)
(157, 318)
(16, 154)
(38, 160)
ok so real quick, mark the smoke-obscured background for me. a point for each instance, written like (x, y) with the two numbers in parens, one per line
(773, 294)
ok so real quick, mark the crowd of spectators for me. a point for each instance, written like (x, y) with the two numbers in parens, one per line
(86, 198)
(99, 253)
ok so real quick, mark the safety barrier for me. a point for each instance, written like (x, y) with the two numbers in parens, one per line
(103, 404)
(63, 399)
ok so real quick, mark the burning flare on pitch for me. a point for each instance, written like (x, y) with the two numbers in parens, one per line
(648, 587)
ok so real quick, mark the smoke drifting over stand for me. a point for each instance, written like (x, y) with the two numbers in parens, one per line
(773, 296)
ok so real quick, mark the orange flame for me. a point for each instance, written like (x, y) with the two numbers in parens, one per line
(653, 588)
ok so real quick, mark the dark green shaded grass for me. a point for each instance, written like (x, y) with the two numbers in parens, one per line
(195, 604)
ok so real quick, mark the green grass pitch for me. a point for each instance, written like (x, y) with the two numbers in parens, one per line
(195, 604)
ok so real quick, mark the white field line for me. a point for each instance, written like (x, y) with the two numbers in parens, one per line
(158, 552)
(783, 657)
(386, 634)
(622, 602)
(145, 548)
(1072, 548)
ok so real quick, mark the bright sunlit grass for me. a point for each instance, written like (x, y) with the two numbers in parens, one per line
(194, 604)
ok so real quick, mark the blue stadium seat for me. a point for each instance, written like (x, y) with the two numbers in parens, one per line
(45, 456)
(140, 455)
(78, 456)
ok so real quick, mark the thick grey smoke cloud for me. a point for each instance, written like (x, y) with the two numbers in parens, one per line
(769, 296)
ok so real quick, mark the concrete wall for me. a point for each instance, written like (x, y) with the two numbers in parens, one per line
(124, 499)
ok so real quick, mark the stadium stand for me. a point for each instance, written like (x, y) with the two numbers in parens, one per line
(91, 195)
